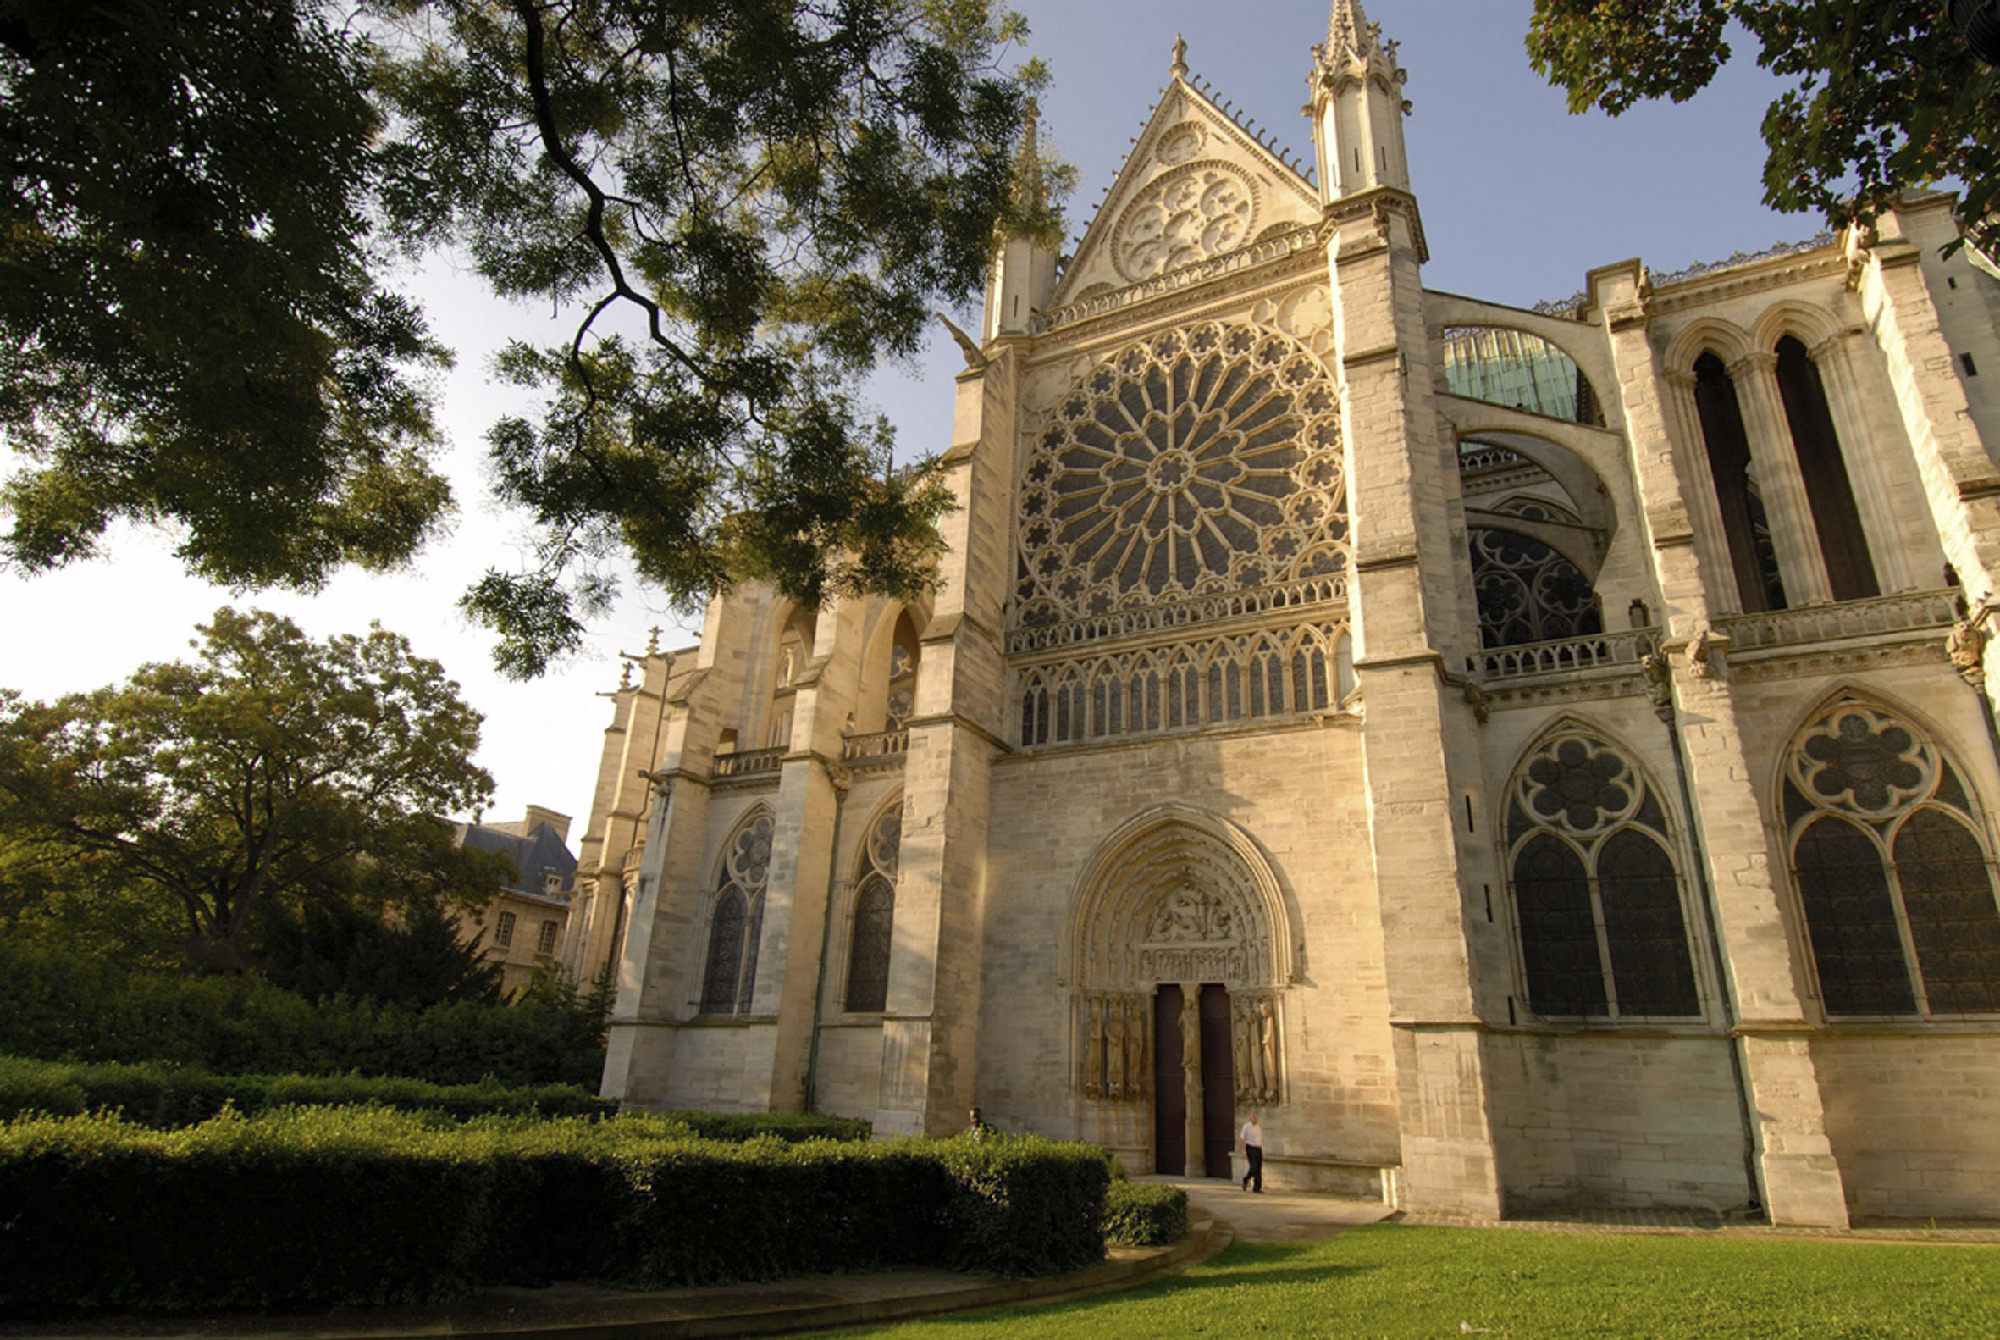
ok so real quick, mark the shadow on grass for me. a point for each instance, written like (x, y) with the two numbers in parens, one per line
(1245, 1269)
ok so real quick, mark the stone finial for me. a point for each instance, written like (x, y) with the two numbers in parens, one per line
(1180, 66)
(653, 641)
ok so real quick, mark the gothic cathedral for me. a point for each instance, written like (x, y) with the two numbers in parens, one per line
(1532, 758)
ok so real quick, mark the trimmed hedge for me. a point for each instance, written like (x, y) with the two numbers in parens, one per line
(168, 1095)
(311, 1206)
(791, 1127)
(56, 1006)
(1145, 1214)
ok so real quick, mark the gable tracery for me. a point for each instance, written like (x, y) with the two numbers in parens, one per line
(1190, 463)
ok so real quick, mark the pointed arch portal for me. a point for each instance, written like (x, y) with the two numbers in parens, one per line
(1180, 939)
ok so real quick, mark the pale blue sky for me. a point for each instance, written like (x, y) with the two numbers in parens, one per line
(1519, 200)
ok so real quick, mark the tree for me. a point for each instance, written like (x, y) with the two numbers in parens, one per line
(749, 202)
(191, 332)
(272, 771)
(1886, 96)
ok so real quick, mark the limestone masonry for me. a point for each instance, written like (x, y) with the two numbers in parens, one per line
(1533, 758)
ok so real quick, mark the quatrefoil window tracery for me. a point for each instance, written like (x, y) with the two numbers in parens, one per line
(1193, 462)
(1862, 761)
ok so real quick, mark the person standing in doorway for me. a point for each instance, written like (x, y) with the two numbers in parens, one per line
(1253, 1153)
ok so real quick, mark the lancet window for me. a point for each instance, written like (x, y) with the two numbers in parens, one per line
(1597, 899)
(1843, 545)
(1746, 529)
(736, 919)
(1893, 874)
(874, 925)
(1235, 679)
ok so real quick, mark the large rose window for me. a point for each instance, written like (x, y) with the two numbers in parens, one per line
(1195, 462)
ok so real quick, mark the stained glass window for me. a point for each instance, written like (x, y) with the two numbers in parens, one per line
(1528, 592)
(875, 914)
(1597, 900)
(1895, 884)
(729, 976)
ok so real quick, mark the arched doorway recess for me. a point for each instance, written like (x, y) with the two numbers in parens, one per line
(1181, 943)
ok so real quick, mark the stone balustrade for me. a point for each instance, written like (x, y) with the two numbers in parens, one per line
(748, 762)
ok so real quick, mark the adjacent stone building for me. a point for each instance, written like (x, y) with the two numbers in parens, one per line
(521, 930)
(1532, 757)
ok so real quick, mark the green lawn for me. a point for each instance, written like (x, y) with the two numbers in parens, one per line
(1396, 1281)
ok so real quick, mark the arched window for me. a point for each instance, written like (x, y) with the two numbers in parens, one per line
(1528, 592)
(1746, 530)
(1034, 713)
(874, 928)
(1309, 679)
(905, 655)
(729, 980)
(1843, 545)
(795, 649)
(1597, 900)
(1895, 883)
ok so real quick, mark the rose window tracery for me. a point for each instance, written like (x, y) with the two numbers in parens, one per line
(1186, 214)
(1193, 462)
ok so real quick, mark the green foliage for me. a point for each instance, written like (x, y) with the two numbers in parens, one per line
(66, 1007)
(409, 1207)
(190, 332)
(1884, 95)
(165, 1096)
(790, 1127)
(746, 204)
(334, 947)
(774, 196)
(274, 770)
(1024, 1205)
(1145, 1214)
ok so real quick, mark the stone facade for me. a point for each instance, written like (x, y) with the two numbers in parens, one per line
(521, 930)
(1543, 768)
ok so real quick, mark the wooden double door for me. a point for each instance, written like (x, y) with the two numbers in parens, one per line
(1204, 1084)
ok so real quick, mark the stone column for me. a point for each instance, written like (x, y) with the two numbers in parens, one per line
(1960, 481)
(1800, 1183)
(1879, 494)
(1193, 1128)
(1419, 736)
(1774, 460)
(930, 1031)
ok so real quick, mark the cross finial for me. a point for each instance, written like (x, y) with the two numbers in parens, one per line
(1180, 67)
(653, 641)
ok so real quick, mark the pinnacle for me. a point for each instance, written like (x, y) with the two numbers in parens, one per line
(1347, 30)
(1030, 190)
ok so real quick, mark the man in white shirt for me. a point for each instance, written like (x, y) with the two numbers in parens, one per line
(1253, 1151)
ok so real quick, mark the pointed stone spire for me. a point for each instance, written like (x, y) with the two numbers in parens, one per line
(1357, 106)
(1023, 269)
(1347, 31)
(1031, 192)
(1180, 66)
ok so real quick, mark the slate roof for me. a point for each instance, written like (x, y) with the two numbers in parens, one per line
(536, 856)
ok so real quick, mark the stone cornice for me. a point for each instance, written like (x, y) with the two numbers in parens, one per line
(1751, 277)
(1258, 265)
